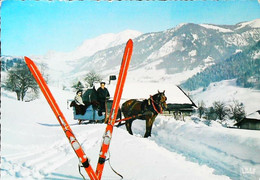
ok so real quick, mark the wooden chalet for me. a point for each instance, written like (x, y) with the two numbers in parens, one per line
(252, 121)
(179, 109)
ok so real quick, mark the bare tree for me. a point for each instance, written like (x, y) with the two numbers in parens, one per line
(220, 109)
(20, 80)
(237, 111)
(92, 77)
(201, 108)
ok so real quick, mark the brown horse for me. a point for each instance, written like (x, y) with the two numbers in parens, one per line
(147, 109)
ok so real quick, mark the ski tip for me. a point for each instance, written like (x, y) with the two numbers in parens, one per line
(27, 60)
(130, 41)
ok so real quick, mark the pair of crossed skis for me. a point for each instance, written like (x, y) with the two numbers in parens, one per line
(112, 117)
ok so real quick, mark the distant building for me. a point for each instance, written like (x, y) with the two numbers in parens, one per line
(252, 121)
(181, 108)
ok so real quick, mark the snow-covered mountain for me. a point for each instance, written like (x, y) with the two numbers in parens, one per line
(249, 24)
(186, 49)
(65, 61)
(173, 55)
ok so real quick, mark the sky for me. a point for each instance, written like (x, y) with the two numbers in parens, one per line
(35, 27)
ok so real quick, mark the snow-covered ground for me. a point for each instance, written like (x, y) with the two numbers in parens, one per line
(227, 91)
(33, 146)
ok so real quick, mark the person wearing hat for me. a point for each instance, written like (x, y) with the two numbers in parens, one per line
(102, 96)
(79, 105)
(78, 98)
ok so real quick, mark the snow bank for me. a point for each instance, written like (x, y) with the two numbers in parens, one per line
(228, 151)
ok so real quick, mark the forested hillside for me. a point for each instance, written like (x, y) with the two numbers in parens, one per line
(243, 66)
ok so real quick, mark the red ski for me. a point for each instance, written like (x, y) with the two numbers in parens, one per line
(112, 117)
(113, 114)
(60, 117)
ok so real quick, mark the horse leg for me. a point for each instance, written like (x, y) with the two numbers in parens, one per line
(128, 125)
(147, 132)
(149, 125)
(148, 128)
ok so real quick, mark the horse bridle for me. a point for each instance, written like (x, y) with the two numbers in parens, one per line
(159, 103)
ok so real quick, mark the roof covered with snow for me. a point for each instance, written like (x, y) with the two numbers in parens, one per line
(254, 115)
(137, 90)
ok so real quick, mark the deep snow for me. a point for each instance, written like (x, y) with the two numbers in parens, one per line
(34, 146)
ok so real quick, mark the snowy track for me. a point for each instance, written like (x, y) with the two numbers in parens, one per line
(229, 151)
(34, 147)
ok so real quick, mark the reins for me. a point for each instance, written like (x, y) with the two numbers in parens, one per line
(139, 115)
(131, 117)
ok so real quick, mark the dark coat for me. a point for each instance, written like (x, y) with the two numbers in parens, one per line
(79, 109)
(102, 94)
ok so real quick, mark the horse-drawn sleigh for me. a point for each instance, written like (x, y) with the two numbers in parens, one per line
(92, 112)
(132, 109)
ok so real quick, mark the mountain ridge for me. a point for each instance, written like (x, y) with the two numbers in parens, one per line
(248, 76)
(184, 47)
(176, 54)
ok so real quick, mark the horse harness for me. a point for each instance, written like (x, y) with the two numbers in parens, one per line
(151, 106)
(149, 103)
